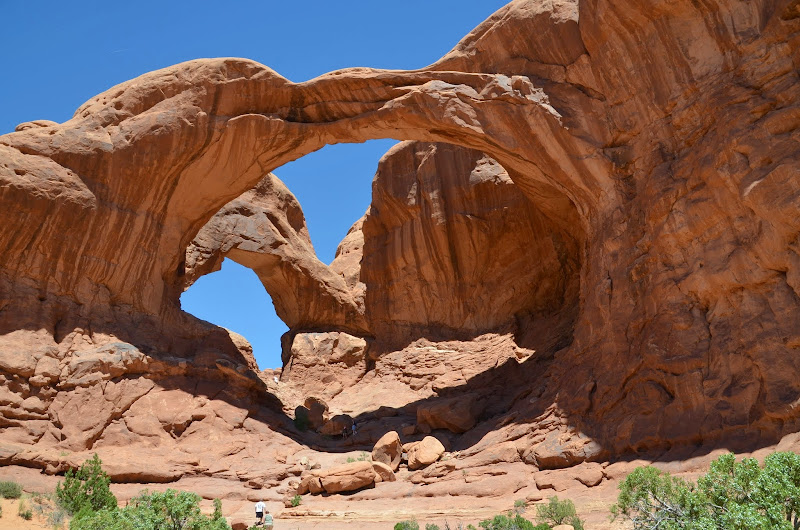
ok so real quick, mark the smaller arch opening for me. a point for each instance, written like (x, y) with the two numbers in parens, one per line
(334, 187)
(234, 298)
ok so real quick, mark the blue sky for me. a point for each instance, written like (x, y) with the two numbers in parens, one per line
(57, 55)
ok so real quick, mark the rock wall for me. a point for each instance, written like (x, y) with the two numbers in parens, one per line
(656, 141)
(453, 249)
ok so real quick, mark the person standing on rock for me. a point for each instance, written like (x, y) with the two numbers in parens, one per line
(260, 507)
(268, 522)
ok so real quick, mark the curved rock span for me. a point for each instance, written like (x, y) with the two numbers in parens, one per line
(592, 239)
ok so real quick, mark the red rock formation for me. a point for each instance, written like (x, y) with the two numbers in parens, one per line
(265, 230)
(656, 141)
(454, 249)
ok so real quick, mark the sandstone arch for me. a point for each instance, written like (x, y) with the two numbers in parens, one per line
(202, 133)
(668, 154)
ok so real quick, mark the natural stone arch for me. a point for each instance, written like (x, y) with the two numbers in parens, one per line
(690, 226)
(203, 132)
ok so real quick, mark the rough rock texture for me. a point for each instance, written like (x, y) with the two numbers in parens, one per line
(454, 249)
(328, 362)
(646, 296)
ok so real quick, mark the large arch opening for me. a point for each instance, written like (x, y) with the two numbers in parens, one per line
(452, 269)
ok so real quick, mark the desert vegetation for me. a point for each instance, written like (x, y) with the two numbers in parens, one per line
(10, 490)
(732, 495)
(85, 495)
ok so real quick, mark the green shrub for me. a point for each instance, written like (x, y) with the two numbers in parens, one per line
(103, 519)
(409, 524)
(736, 495)
(431, 527)
(507, 522)
(217, 510)
(296, 500)
(558, 512)
(10, 490)
(88, 486)
(173, 510)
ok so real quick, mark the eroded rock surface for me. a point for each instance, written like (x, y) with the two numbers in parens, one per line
(636, 289)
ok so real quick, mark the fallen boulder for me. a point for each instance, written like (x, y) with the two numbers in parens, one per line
(346, 477)
(336, 425)
(317, 412)
(383, 472)
(424, 453)
(388, 450)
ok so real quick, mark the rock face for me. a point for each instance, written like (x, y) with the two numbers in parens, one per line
(454, 249)
(631, 267)
(457, 414)
(326, 363)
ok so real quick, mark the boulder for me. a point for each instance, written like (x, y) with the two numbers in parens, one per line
(388, 450)
(347, 477)
(425, 453)
(559, 450)
(383, 472)
(17, 362)
(589, 474)
(558, 480)
(309, 483)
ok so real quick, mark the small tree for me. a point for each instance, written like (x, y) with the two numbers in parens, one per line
(88, 486)
(732, 495)
(217, 510)
(653, 499)
(558, 512)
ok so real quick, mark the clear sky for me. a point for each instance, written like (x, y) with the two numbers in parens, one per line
(56, 55)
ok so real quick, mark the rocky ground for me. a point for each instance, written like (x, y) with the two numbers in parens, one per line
(375, 508)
